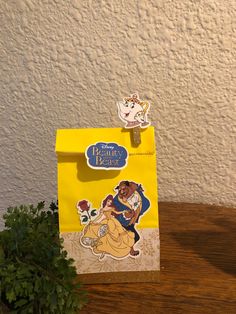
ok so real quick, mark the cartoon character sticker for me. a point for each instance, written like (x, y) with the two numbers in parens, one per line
(111, 230)
(86, 213)
(133, 112)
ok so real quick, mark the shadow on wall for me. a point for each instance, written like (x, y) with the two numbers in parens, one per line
(217, 247)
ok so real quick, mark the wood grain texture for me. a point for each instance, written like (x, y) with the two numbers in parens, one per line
(198, 267)
(120, 277)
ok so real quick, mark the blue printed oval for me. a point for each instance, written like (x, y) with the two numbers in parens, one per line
(106, 156)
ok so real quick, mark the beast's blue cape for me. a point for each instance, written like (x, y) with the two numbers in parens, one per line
(120, 206)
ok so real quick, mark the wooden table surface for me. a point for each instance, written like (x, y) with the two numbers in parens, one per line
(198, 267)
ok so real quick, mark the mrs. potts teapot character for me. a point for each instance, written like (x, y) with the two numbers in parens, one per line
(134, 112)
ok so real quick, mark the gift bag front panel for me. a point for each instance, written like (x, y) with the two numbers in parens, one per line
(77, 182)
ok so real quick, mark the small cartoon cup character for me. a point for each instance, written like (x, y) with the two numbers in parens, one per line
(133, 111)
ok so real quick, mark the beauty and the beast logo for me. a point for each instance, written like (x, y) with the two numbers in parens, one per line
(108, 156)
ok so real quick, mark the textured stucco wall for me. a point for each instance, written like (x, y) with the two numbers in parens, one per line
(64, 64)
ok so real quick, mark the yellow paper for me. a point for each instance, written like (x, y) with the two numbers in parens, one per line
(77, 181)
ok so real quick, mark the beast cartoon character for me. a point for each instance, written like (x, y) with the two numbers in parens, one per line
(131, 201)
(133, 111)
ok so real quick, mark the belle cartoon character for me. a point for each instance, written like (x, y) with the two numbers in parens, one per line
(105, 235)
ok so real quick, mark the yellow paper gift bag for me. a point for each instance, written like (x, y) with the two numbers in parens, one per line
(109, 218)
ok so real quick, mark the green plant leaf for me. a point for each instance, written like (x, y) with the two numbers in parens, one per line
(84, 218)
(21, 302)
(93, 212)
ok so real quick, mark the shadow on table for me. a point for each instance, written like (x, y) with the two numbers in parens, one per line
(217, 247)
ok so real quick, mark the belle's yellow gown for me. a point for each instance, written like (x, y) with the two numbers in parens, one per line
(116, 240)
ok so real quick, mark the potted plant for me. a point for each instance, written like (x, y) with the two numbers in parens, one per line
(35, 274)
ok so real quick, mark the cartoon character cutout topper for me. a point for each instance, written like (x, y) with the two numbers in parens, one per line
(133, 112)
(111, 230)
